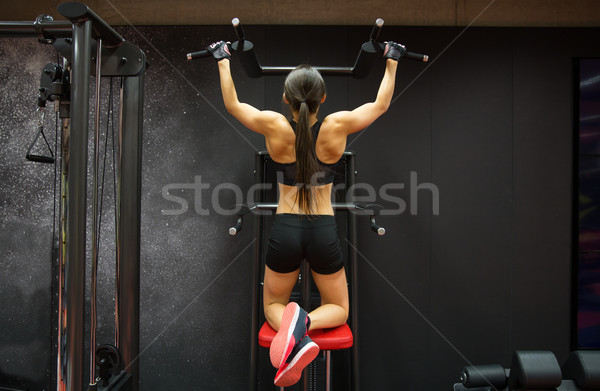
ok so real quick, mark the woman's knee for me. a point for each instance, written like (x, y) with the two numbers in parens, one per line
(269, 309)
(345, 311)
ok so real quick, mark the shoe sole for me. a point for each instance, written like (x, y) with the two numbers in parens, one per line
(293, 372)
(284, 341)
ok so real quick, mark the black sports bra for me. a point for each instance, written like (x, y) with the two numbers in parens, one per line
(286, 172)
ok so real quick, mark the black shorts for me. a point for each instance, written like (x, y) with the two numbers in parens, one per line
(294, 238)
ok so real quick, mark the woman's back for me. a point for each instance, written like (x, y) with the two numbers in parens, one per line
(329, 145)
(328, 150)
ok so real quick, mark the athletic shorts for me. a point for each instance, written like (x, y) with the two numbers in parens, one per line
(294, 238)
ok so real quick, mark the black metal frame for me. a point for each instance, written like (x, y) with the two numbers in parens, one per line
(75, 39)
(364, 61)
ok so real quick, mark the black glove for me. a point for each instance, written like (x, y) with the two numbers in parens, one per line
(219, 50)
(394, 50)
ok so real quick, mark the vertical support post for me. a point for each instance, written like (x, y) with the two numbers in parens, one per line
(76, 218)
(62, 229)
(305, 288)
(328, 370)
(352, 261)
(65, 115)
(128, 240)
(117, 174)
(95, 227)
(259, 173)
(305, 303)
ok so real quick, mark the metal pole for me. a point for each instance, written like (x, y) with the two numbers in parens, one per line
(305, 294)
(117, 191)
(65, 115)
(130, 187)
(326, 71)
(76, 205)
(259, 172)
(63, 259)
(305, 287)
(55, 29)
(336, 206)
(352, 262)
(95, 227)
(328, 370)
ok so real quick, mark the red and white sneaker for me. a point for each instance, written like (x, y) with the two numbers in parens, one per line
(302, 355)
(294, 326)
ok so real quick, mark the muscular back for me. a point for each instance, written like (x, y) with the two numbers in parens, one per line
(329, 147)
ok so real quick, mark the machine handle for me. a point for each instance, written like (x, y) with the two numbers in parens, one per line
(197, 55)
(416, 56)
(376, 30)
(236, 228)
(410, 55)
(379, 230)
(239, 31)
(39, 159)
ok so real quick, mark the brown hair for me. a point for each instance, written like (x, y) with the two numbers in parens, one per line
(304, 89)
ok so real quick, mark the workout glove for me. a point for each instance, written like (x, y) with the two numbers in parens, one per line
(219, 50)
(394, 50)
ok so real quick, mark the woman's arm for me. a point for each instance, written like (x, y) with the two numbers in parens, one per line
(353, 121)
(262, 122)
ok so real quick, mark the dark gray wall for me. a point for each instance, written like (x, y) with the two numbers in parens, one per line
(25, 220)
(488, 122)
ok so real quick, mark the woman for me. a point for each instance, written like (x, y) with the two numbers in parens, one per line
(304, 152)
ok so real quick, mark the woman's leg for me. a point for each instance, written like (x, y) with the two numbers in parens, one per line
(276, 294)
(334, 307)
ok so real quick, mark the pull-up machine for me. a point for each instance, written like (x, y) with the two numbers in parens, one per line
(90, 46)
(344, 180)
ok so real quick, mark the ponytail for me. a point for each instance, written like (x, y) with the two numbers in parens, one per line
(304, 88)
(306, 159)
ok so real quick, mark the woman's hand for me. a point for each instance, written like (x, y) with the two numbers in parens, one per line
(394, 50)
(220, 50)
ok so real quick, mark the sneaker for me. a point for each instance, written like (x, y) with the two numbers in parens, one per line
(302, 355)
(294, 326)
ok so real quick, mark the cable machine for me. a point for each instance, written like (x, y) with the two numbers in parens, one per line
(89, 46)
